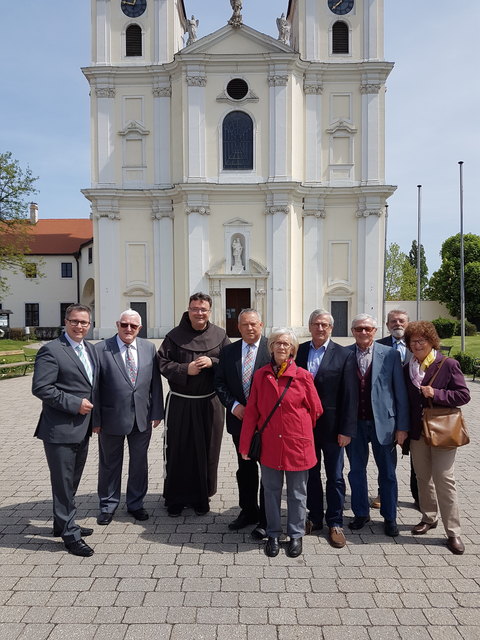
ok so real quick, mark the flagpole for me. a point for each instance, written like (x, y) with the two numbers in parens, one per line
(419, 227)
(462, 266)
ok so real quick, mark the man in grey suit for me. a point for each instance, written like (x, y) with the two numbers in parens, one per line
(129, 404)
(383, 420)
(233, 379)
(64, 379)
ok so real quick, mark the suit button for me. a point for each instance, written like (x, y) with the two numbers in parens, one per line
(279, 435)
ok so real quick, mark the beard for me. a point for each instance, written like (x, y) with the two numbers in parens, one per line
(398, 333)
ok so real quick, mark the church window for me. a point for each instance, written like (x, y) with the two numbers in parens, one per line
(340, 37)
(237, 89)
(133, 40)
(237, 134)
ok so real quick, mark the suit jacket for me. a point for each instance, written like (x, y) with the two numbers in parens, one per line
(337, 386)
(388, 340)
(389, 393)
(450, 390)
(61, 383)
(228, 378)
(119, 402)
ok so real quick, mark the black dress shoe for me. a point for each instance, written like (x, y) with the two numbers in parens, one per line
(422, 527)
(391, 528)
(139, 514)
(243, 520)
(174, 510)
(79, 548)
(456, 546)
(272, 547)
(84, 532)
(201, 509)
(104, 518)
(258, 533)
(358, 522)
(294, 547)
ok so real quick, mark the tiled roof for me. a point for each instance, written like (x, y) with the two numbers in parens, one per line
(57, 236)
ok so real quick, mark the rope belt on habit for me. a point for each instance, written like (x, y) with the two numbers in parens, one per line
(182, 395)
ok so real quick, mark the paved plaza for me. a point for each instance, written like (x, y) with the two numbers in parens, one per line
(191, 578)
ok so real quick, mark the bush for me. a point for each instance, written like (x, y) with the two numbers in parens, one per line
(444, 327)
(47, 333)
(466, 361)
(15, 333)
(470, 328)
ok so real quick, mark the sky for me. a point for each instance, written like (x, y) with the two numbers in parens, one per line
(432, 104)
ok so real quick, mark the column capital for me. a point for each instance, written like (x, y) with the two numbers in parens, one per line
(277, 80)
(162, 92)
(196, 80)
(105, 92)
(272, 210)
(202, 210)
(370, 87)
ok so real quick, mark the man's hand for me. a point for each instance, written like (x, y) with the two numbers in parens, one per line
(343, 440)
(155, 423)
(239, 411)
(400, 437)
(85, 407)
(96, 429)
(204, 362)
(193, 368)
(427, 391)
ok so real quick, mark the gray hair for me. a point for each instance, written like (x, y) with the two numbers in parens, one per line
(320, 312)
(131, 312)
(398, 311)
(361, 317)
(243, 311)
(283, 331)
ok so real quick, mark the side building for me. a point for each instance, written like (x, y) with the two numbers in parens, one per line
(247, 166)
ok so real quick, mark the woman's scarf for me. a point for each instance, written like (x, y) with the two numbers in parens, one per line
(417, 369)
(278, 370)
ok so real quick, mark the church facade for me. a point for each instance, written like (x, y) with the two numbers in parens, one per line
(247, 166)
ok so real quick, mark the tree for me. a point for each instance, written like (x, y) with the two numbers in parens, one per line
(445, 283)
(400, 275)
(412, 259)
(16, 187)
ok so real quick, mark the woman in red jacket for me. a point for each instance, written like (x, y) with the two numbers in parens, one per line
(287, 442)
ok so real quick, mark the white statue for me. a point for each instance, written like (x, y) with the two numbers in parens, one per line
(192, 25)
(283, 29)
(236, 20)
(237, 249)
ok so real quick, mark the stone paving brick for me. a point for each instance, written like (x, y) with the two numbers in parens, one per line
(231, 632)
(193, 632)
(73, 632)
(151, 632)
(383, 633)
(110, 632)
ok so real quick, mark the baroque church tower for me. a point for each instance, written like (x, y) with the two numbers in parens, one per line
(240, 164)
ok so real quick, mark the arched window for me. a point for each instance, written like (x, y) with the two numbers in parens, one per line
(237, 136)
(133, 40)
(340, 37)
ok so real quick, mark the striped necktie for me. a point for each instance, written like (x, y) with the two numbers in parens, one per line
(248, 369)
(80, 351)
(130, 365)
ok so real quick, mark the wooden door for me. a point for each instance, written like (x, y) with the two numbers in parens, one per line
(236, 300)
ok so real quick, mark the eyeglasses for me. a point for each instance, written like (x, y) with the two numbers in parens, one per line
(78, 323)
(199, 310)
(364, 329)
(282, 345)
(419, 343)
(321, 325)
(125, 325)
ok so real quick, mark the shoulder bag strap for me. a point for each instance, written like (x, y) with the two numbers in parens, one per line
(276, 406)
(430, 403)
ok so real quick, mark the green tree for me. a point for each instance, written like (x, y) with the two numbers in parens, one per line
(399, 275)
(16, 187)
(445, 283)
(412, 259)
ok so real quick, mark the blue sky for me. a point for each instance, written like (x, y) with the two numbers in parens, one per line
(432, 104)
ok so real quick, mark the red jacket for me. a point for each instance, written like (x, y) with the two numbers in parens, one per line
(287, 441)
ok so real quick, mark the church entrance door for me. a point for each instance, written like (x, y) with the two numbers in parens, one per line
(235, 301)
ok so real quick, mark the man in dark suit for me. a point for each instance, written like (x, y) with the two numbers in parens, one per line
(397, 321)
(129, 404)
(233, 378)
(64, 379)
(334, 374)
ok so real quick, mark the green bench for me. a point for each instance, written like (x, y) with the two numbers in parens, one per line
(7, 367)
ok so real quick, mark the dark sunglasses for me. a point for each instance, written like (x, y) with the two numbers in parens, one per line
(125, 325)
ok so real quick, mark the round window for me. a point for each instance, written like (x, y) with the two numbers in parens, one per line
(237, 89)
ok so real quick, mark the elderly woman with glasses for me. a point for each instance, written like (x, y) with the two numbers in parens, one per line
(432, 378)
(288, 448)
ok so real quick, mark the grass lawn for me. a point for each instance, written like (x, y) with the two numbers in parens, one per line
(16, 345)
(472, 345)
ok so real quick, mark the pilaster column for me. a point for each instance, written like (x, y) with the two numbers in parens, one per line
(196, 81)
(102, 43)
(372, 141)
(162, 220)
(312, 31)
(370, 259)
(313, 259)
(162, 96)
(109, 273)
(278, 264)
(198, 243)
(373, 30)
(105, 106)
(313, 89)
(278, 81)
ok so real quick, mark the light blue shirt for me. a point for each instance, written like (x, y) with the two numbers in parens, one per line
(315, 357)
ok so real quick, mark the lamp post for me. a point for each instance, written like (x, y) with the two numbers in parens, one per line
(462, 266)
(419, 263)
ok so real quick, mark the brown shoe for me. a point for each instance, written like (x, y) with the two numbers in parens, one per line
(422, 527)
(376, 504)
(456, 545)
(336, 537)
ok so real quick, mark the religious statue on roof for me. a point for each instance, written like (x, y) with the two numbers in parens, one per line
(283, 29)
(236, 20)
(192, 25)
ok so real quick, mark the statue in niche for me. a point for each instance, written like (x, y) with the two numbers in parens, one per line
(237, 250)
(283, 29)
(192, 25)
(236, 20)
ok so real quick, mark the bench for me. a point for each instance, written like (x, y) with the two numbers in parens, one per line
(7, 367)
(475, 368)
(445, 350)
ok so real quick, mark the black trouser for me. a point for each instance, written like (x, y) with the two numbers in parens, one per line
(248, 481)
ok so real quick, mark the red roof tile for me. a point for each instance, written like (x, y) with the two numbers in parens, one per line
(56, 236)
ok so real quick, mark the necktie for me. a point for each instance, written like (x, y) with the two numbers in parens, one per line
(363, 361)
(130, 365)
(248, 369)
(401, 349)
(80, 351)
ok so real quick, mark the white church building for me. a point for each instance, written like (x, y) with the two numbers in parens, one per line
(244, 165)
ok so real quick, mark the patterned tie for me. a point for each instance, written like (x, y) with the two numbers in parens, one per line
(130, 365)
(248, 369)
(80, 351)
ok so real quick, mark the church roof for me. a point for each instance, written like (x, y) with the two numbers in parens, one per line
(58, 236)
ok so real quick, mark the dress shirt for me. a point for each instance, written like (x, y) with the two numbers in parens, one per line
(123, 350)
(245, 346)
(315, 357)
(364, 358)
(401, 347)
(74, 344)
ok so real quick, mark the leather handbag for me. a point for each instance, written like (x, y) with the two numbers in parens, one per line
(444, 427)
(255, 449)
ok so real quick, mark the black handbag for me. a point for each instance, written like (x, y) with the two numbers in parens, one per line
(255, 449)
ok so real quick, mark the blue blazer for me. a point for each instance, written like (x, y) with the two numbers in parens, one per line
(389, 393)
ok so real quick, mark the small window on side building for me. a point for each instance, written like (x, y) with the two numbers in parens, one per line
(67, 270)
